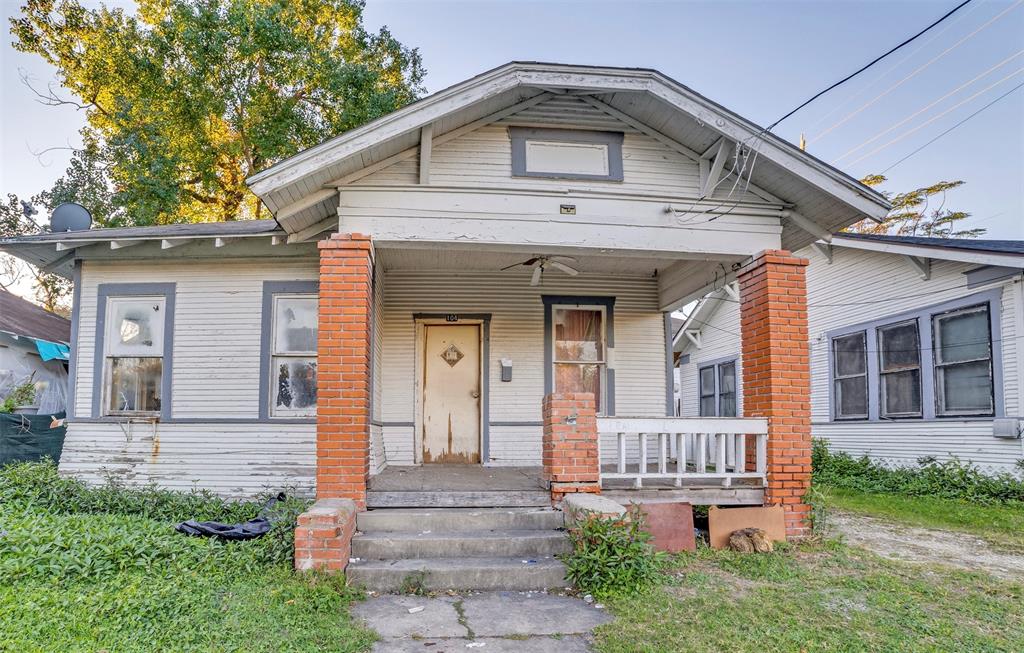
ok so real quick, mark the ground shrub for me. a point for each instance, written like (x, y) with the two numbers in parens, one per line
(38, 487)
(612, 556)
(948, 480)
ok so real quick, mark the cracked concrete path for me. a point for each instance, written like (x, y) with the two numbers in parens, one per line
(496, 622)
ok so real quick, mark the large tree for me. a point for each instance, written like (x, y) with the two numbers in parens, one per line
(912, 213)
(187, 98)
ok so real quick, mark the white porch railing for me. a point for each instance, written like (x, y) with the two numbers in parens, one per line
(710, 449)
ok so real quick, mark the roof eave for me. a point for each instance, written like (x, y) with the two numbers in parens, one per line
(932, 252)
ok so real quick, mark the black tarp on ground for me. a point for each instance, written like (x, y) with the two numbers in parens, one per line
(26, 438)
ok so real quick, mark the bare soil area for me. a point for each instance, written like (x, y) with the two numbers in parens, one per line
(921, 545)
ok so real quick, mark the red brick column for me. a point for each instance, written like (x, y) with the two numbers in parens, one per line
(569, 453)
(343, 400)
(323, 537)
(776, 375)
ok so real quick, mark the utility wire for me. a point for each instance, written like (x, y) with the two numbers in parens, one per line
(1018, 86)
(918, 70)
(929, 106)
(869, 65)
(934, 118)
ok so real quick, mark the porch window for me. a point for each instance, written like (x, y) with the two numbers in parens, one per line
(134, 355)
(294, 355)
(850, 373)
(579, 351)
(718, 389)
(899, 368)
(963, 362)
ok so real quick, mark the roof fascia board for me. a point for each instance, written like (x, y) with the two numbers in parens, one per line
(926, 251)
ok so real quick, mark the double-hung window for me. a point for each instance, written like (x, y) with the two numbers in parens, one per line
(935, 362)
(579, 360)
(717, 389)
(133, 364)
(293, 356)
(850, 376)
(899, 369)
(963, 362)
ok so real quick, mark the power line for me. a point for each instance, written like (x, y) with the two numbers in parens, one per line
(929, 106)
(953, 127)
(935, 117)
(869, 65)
(917, 70)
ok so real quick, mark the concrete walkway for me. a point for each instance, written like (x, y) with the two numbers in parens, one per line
(489, 622)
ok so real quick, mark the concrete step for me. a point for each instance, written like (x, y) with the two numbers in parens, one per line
(458, 499)
(458, 573)
(449, 520)
(528, 544)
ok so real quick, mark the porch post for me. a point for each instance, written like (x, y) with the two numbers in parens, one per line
(569, 453)
(776, 375)
(343, 401)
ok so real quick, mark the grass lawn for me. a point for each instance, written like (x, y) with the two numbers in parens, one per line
(1000, 525)
(75, 582)
(824, 598)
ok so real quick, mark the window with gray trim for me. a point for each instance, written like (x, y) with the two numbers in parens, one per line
(293, 355)
(963, 362)
(850, 376)
(717, 389)
(133, 357)
(566, 154)
(942, 361)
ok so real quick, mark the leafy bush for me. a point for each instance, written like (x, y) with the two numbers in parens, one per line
(21, 395)
(612, 556)
(38, 487)
(947, 480)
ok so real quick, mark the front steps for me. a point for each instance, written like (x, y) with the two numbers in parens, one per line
(457, 499)
(459, 548)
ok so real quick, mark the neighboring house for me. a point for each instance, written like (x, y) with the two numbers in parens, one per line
(915, 349)
(34, 345)
(528, 231)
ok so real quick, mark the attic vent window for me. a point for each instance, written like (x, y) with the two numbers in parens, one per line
(566, 154)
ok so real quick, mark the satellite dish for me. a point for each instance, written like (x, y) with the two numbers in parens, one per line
(70, 217)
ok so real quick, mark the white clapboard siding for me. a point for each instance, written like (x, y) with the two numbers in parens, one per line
(483, 157)
(847, 292)
(516, 332)
(718, 342)
(217, 323)
(237, 460)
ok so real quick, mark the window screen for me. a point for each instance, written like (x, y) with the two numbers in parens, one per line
(717, 390)
(850, 373)
(963, 362)
(294, 356)
(899, 366)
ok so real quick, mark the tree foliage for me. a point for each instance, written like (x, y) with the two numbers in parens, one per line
(187, 98)
(912, 215)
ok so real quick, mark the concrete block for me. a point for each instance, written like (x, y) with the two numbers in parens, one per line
(578, 507)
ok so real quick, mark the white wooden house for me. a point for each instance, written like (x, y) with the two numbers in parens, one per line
(915, 349)
(527, 231)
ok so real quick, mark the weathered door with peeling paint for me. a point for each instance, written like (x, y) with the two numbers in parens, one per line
(451, 394)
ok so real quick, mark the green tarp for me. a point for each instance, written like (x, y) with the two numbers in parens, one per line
(30, 438)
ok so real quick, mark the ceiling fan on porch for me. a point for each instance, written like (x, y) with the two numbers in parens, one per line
(542, 263)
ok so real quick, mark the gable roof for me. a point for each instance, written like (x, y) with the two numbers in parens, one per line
(23, 318)
(301, 190)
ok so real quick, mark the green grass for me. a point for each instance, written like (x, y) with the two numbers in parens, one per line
(825, 598)
(82, 570)
(1000, 525)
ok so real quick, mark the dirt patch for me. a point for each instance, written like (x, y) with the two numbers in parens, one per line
(922, 545)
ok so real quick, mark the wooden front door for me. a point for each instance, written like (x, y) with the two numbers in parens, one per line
(451, 394)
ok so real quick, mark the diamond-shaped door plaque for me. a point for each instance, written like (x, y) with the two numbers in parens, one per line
(452, 355)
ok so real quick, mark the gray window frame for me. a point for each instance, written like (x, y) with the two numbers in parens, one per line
(717, 365)
(882, 374)
(105, 292)
(835, 378)
(992, 298)
(937, 366)
(581, 301)
(520, 135)
(270, 290)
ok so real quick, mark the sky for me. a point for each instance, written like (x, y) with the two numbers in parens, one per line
(760, 59)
